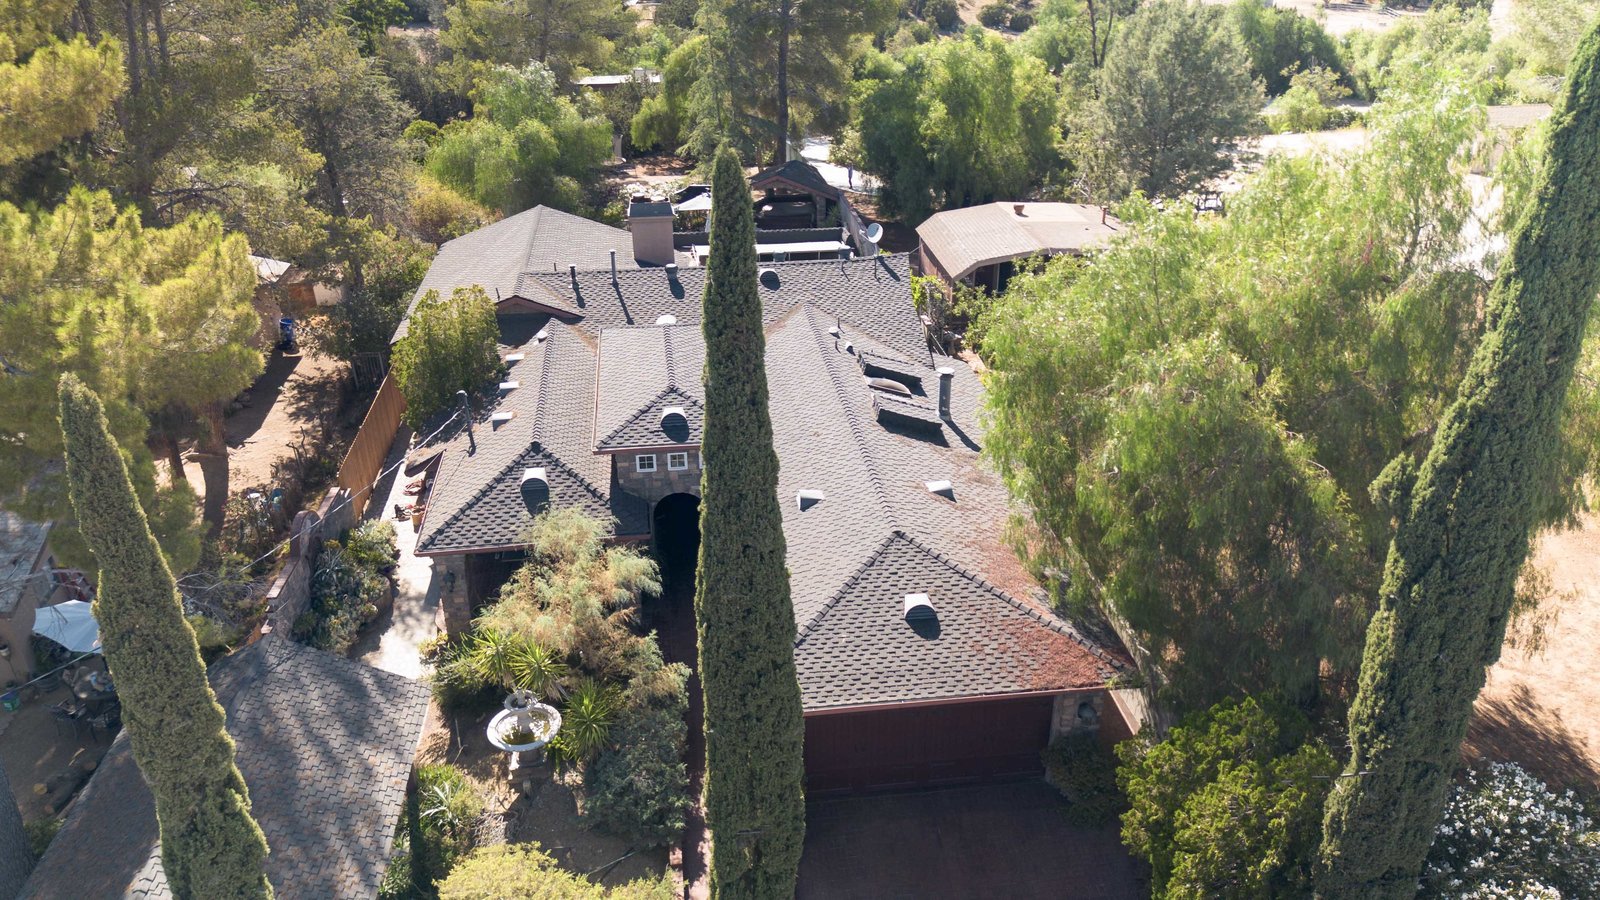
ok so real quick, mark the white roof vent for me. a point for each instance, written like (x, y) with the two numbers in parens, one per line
(671, 411)
(535, 490)
(918, 606)
(889, 386)
(942, 488)
(509, 386)
(543, 333)
(765, 272)
(515, 357)
(667, 320)
(809, 498)
(500, 418)
(849, 347)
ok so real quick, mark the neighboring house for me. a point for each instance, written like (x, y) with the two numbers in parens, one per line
(296, 284)
(980, 245)
(926, 652)
(26, 582)
(325, 745)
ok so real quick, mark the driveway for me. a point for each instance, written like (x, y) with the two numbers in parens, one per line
(997, 840)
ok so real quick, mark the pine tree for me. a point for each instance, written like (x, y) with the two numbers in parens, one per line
(755, 802)
(1465, 518)
(210, 846)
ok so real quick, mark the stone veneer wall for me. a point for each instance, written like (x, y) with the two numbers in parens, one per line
(652, 486)
(1065, 721)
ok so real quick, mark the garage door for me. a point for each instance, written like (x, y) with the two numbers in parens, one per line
(927, 744)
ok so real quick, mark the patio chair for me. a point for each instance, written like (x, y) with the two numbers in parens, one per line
(62, 714)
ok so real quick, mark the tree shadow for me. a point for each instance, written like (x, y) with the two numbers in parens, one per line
(1520, 729)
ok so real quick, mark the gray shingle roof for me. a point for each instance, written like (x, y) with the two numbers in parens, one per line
(797, 172)
(872, 294)
(476, 499)
(643, 372)
(535, 240)
(21, 542)
(325, 745)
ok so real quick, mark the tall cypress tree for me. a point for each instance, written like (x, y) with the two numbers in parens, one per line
(211, 848)
(755, 803)
(1464, 526)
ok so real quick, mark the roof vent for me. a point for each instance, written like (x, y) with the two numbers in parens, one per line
(808, 498)
(1017, 208)
(849, 347)
(542, 335)
(517, 357)
(673, 417)
(833, 330)
(672, 271)
(942, 488)
(667, 320)
(507, 387)
(889, 385)
(919, 607)
(500, 418)
(535, 490)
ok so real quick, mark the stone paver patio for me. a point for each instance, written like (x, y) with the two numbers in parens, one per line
(391, 642)
(997, 840)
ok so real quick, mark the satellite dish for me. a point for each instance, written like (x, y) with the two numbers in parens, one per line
(874, 232)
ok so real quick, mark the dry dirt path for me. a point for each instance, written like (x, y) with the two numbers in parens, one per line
(1542, 710)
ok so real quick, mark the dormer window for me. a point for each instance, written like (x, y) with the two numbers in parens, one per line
(645, 462)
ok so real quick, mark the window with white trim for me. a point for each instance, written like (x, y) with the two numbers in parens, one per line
(645, 462)
(677, 462)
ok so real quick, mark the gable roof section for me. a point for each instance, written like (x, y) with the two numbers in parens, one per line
(843, 580)
(643, 372)
(964, 239)
(871, 294)
(796, 173)
(859, 650)
(540, 239)
(476, 501)
(325, 745)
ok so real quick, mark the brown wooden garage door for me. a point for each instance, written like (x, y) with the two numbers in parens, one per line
(926, 744)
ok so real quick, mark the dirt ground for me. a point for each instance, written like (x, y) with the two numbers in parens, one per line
(1542, 710)
(548, 815)
(44, 764)
(288, 397)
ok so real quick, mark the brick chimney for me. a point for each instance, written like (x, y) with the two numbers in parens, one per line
(651, 225)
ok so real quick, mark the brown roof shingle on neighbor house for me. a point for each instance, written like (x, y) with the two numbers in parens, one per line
(958, 241)
(325, 745)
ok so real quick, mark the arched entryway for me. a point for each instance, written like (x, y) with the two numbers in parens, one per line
(675, 538)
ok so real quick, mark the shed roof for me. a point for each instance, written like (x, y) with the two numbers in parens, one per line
(796, 173)
(325, 745)
(962, 240)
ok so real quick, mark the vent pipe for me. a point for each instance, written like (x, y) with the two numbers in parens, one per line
(572, 272)
(947, 377)
(613, 267)
(1017, 208)
(672, 271)
(1103, 213)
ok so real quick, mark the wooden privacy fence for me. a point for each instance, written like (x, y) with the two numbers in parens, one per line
(367, 452)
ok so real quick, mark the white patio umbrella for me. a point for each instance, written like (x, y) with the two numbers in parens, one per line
(70, 624)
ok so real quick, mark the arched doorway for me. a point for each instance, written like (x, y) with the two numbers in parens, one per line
(676, 539)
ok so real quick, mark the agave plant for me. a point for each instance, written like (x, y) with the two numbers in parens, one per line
(585, 723)
(491, 656)
(531, 667)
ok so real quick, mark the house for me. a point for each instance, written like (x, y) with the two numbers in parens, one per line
(980, 245)
(926, 653)
(325, 745)
(26, 582)
(295, 285)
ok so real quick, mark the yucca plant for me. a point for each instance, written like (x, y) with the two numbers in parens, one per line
(585, 723)
(491, 656)
(532, 667)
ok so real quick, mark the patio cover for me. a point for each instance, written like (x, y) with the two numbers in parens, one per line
(700, 203)
(70, 624)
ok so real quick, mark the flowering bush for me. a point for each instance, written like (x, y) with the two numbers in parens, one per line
(1505, 834)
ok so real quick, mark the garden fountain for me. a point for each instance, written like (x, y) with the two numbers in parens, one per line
(525, 726)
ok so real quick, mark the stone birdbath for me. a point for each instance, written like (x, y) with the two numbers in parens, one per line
(523, 729)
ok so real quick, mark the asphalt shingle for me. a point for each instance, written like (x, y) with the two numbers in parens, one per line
(325, 745)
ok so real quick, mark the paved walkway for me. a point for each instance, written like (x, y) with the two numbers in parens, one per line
(1007, 840)
(391, 642)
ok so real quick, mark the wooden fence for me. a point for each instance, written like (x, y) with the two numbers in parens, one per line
(367, 452)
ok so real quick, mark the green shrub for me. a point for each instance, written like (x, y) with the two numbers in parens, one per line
(585, 723)
(943, 13)
(458, 687)
(1021, 21)
(371, 544)
(995, 15)
(347, 586)
(41, 832)
(639, 788)
(1086, 775)
(525, 872)
(443, 818)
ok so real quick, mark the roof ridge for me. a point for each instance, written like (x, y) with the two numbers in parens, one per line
(857, 428)
(1052, 621)
(833, 601)
(672, 371)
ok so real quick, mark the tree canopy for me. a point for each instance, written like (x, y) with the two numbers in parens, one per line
(450, 345)
(50, 89)
(1194, 419)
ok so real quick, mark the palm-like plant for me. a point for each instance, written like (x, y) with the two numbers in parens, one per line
(585, 723)
(492, 656)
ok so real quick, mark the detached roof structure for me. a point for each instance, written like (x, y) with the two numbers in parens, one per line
(960, 241)
(325, 745)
